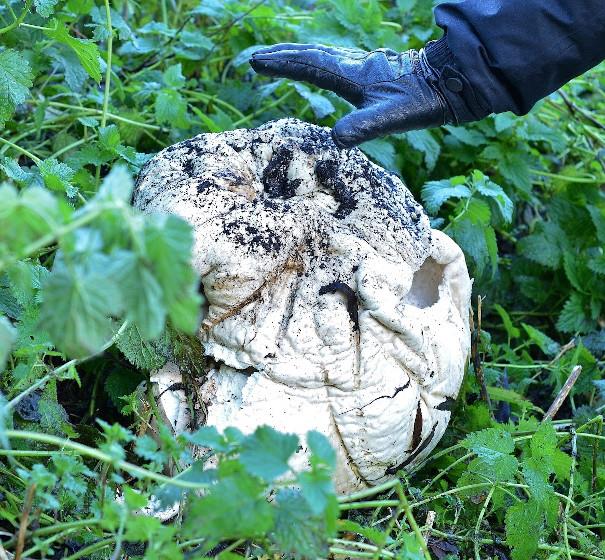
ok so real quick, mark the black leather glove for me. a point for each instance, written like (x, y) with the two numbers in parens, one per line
(393, 92)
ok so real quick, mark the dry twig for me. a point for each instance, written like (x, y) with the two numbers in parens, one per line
(556, 405)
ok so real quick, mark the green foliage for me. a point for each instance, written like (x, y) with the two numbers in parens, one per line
(81, 271)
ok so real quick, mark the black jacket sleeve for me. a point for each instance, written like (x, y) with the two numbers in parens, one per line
(515, 52)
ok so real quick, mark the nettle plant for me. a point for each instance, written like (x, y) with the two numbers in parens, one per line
(93, 296)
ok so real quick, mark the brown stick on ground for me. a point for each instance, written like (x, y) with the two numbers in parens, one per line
(476, 358)
(556, 405)
(27, 505)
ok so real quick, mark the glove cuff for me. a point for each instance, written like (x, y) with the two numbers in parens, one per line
(464, 103)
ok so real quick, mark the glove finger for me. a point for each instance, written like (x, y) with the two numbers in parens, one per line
(307, 46)
(320, 68)
(363, 125)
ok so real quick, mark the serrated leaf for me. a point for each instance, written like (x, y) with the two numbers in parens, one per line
(8, 335)
(477, 241)
(466, 135)
(424, 141)
(141, 293)
(320, 104)
(74, 72)
(297, 531)
(15, 81)
(171, 108)
(598, 219)
(86, 51)
(117, 185)
(574, 316)
(495, 192)
(173, 76)
(78, 301)
(543, 341)
(168, 243)
(435, 193)
(322, 452)
(512, 331)
(266, 452)
(523, 528)
(57, 176)
(233, 508)
(26, 216)
(143, 354)
(493, 447)
(382, 152)
(538, 248)
(511, 397)
(45, 7)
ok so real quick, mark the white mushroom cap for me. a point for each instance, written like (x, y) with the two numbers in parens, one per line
(325, 280)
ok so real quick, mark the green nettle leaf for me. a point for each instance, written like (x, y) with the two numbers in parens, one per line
(143, 354)
(598, 219)
(435, 193)
(168, 242)
(523, 529)
(74, 73)
(26, 216)
(321, 450)
(15, 81)
(495, 192)
(477, 242)
(424, 141)
(466, 135)
(15, 172)
(171, 108)
(141, 293)
(8, 335)
(512, 331)
(234, 508)
(45, 7)
(173, 76)
(320, 104)
(86, 51)
(117, 185)
(297, 530)
(266, 452)
(539, 248)
(493, 447)
(574, 316)
(543, 341)
(57, 176)
(78, 301)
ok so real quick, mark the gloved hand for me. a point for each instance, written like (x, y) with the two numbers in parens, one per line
(393, 92)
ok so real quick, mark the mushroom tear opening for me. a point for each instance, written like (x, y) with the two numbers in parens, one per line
(425, 284)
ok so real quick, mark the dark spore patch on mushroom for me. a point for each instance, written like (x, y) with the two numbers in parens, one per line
(205, 184)
(351, 297)
(415, 453)
(328, 176)
(417, 433)
(275, 175)
(447, 405)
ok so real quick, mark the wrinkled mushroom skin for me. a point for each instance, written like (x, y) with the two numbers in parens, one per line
(332, 305)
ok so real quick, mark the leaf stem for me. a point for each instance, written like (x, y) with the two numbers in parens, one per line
(108, 68)
(18, 20)
(93, 453)
(21, 150)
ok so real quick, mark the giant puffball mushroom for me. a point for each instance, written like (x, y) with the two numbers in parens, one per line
(332, 304)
